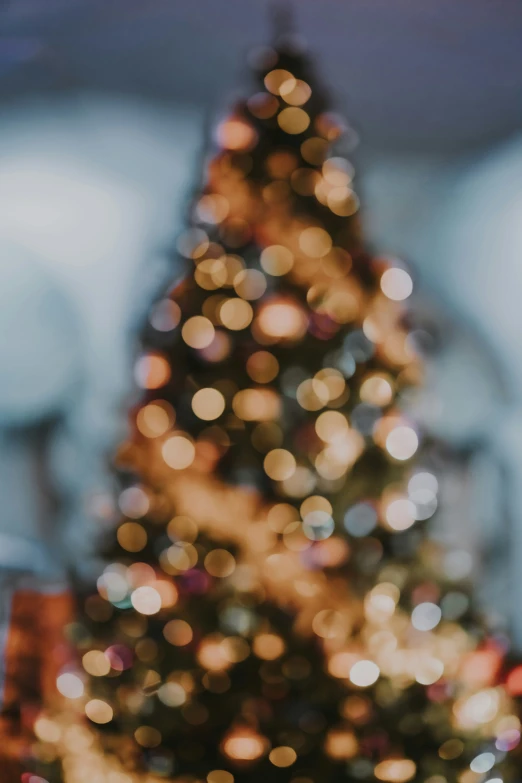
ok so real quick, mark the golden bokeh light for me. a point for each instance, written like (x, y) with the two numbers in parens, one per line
(334, 382)
(236, 649)
(477, 709)
(268, 646)
(212, 654)
(377, 390)
(178, 452)
(341, 744)
(339, 303)
(70, 685)
(276, 260)
(99, 711)
(331, 425)
(342, 201)
(451, 749)
(146, 600)
(182, 528)
(236, 134)
(152, 371)
(379, 606)
(275, 79)
(315, 503)
(250, 284)
(395, 770)
(279, 464)
(283, 756)
(244, 744)
(210, 274)
(400, 513)
(330, 624)
(198, 332)
(208, 404)
(338, 457)
(147, 737)
(312, 394)
(167, 591)
(47, 730)
(236, 314)
(220, 563)
(281, 515)
(338, 172)
(282, 320)
(293, 120)
(262, 366)
(220, 776)
(132, 536)
(257, 405)
(296, 92)
(155, 419)
(314, 150)
(300, 483)
(178, 632)
(315, 242)
(179, 557)
(96, 663)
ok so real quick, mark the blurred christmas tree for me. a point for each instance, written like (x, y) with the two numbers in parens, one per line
(272, 607)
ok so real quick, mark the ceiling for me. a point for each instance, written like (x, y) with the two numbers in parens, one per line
(436, 75)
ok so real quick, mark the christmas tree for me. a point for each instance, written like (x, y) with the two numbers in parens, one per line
(272, 607)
